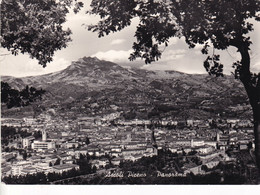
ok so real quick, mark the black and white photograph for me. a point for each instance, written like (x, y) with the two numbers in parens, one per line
(130, 92)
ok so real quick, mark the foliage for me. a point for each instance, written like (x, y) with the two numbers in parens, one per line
(25, 155)
(87, 141)
(211, 23)
(9, 133)
(37, 134)
(57, 162)
(42, 178)
(220, 23)
(35, 27)
(129, 115)
(16, 98)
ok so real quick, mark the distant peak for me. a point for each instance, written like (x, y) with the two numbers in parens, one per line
(87, 59)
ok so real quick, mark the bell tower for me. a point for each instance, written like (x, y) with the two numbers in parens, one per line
(44, 135)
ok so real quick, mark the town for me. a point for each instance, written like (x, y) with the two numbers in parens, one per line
(56, 145)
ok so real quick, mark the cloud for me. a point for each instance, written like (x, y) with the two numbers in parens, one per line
(256, 67)
(57, 65)
(199, 46)
(168, 58)
(113, 55)
(31, 67)
(173, 41)
(174, 54)
(117, 41)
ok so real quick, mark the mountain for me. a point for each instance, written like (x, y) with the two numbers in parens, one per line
(94, 86)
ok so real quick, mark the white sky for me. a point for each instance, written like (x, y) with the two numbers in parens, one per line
(116, 48)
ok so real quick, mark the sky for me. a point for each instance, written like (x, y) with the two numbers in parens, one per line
(116, 47)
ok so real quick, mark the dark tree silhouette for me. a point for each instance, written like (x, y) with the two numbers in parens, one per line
(87, 141)
(15, 98)
(214, 23)
(57, 162)
(35, 27)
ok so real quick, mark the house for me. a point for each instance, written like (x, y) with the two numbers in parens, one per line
(151, 154)
(205, 157)
(64, 157)
(181, 142)
(27, 141)
(186, 149)
(83, 151)
(7, 157)
(115, 153)
(189, 122)
(70, 152)
(192, 167)
(43, 145)
(212, 163)
(99, 163)
(43, 167)
(211, 143)
(133, 157)
(64, 167)
(128, 152)
(173, 149)
(243, 146)
(28, 170)
(16, 170)
(204, 149)
(72, 144)
(116, 161)
(223, 142)
(69, 161)
(19, 166)
(6, 171)
(131, 145)
(93, 151)
(197, 142)
(15, 144)
(116, 148)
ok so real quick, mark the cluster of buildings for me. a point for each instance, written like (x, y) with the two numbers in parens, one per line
(62, 142)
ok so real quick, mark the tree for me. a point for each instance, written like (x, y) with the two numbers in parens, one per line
(87, 141)
(57, 162)
(25, 155)
(216, 24)
(204, 168)
(15, 98)
(37, 134)
(35, 27)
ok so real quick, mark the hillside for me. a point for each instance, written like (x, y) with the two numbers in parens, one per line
(92, 86)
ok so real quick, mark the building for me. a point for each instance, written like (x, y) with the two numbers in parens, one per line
(99, 163)
(44, 135)
(6, 171)
(116, 161)
(204, 149)
(43, 145)
(128, 152)
(28, 170)
(195, 169)
(64, 167)
(27, 141)
(197, 142)
(16, 170)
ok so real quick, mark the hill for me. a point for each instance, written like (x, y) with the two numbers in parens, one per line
(91, 86)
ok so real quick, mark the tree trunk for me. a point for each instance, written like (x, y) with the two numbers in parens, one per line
(253, 92)
(256, 112)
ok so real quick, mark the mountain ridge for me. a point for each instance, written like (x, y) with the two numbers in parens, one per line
(133, 89)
